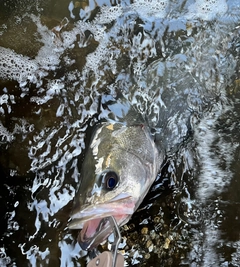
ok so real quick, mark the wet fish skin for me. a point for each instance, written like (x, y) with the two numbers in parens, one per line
(124, 157)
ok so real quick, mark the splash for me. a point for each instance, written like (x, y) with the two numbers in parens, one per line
(170, 60)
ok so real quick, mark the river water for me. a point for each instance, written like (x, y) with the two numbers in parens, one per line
(177, 63)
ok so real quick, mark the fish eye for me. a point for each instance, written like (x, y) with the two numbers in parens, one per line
(110, 180)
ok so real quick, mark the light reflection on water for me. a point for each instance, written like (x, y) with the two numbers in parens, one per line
(178, 64)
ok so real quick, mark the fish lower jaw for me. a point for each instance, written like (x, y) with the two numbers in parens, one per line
(79, 222)
(95, 231)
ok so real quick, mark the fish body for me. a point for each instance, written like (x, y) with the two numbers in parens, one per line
(120, 166)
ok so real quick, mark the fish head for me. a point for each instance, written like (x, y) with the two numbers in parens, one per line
(120, 166)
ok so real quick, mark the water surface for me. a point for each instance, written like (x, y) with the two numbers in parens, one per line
(177, 63)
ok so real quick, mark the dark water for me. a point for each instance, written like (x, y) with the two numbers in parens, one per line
(177, 63)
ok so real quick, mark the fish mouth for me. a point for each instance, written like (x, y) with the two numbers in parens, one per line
(96, 231)
(93, 220)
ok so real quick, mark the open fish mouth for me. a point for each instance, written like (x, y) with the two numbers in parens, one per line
(96, 231)
(93, 220)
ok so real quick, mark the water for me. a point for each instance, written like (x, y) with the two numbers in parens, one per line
(177, 63)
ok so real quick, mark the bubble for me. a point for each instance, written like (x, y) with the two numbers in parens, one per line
(157, 8)
(189, 212)
(16, 67)
(109, 14)
(5, 135)
(207, 9)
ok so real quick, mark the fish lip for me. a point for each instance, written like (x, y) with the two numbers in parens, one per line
(92, 211)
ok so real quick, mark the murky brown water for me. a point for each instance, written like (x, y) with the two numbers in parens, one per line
(178, 64)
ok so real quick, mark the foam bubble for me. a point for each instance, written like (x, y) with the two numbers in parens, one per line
(5, 135)
(144, 8)
(109, 14)
(157, 8)
(207, 9)
(22, 69)
(213, 178)
(17, 67)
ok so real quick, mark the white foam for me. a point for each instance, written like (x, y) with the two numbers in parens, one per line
(207, 9)
(17, 67)
(212, 178)
(5, 135)
(22, 69)
(157, 9)
(48, 54)
(109, 14)
(146, 8)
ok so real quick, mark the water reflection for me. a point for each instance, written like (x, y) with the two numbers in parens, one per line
(178, 65)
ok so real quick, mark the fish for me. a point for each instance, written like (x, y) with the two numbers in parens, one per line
(120, 166)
